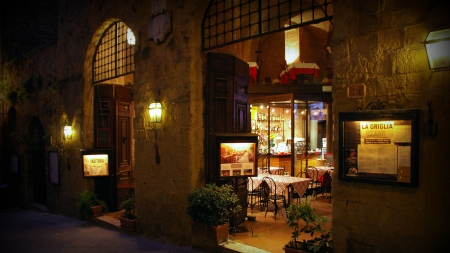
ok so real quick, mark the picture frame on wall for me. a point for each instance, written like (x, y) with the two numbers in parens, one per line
(53, 167)
(14, 163)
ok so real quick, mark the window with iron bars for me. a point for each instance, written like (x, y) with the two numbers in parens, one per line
(230, 21)
(114, 55)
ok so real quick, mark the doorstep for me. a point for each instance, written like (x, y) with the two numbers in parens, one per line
(111, 221)
(229, 246)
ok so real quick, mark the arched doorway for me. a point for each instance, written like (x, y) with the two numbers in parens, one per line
(36, 162)
(108, 96)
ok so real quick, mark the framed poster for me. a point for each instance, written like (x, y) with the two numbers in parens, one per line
(53, 167)
(379, 147)
(95, 163)
(103, 137)
(237, 154)
(15, 163)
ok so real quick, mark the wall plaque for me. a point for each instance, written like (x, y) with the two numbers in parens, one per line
(356, 90)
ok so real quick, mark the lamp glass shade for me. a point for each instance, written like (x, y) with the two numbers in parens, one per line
(130, 37)
(68, 132)
(155, 111)
(437, 45)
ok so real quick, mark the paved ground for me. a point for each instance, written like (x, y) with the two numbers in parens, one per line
(28, 231)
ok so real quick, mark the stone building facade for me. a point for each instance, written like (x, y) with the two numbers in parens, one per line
(378, 43)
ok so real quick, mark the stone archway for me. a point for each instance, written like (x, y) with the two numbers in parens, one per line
(35, 155)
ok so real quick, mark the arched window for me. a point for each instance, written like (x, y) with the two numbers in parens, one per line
(114, 55)
(227, 22)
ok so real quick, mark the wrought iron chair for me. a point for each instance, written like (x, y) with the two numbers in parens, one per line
(326, 184)
(315, 186)
(254, 193)
(270, 195)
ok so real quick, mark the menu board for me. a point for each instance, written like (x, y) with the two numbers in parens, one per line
(95, 163)
(237, 155)
(379, 146)
(53, 166)
(103, 137)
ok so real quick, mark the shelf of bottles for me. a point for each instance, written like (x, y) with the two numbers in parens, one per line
(272, 127)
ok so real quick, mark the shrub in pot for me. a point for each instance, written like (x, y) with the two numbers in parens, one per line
(210, 209)
(128, 219)
(89, 205)
(314, 225)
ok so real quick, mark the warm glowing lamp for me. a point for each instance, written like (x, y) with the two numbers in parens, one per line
(68, 132)
(437, 45)
(130, 37)
(155, 111)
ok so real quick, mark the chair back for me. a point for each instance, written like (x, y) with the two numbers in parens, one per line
(265, 167)
(281, 170)
(312, 173)
(302, 174)
(251, 185)
(326, 179)
(272, 186)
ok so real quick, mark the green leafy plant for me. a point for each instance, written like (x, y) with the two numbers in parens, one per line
(87, 200)
(128, 206)
(212, 205)
(314, 225)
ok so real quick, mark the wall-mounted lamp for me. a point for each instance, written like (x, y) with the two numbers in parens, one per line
(437, 45)
(130, 37)
(67, 131)
(155, 111)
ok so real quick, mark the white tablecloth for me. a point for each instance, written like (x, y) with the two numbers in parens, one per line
(320, 171)
(300, 184)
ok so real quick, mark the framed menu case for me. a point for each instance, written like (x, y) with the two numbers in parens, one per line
(379, 147)
(236, 155)
(95, 162)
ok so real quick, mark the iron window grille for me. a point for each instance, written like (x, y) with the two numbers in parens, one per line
(114, 56)
(230, 21)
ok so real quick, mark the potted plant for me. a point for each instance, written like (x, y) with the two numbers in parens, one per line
(128, 219)
(210, 209)
(314, 225)
(90, 205)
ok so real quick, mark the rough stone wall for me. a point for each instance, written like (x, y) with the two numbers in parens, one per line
(175, 67)
(379, 43)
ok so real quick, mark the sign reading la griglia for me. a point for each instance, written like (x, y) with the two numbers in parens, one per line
(377, 132)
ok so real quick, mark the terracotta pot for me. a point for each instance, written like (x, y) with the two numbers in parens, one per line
(97, 210)
(216, 235)
(127, 223)
(292, 250)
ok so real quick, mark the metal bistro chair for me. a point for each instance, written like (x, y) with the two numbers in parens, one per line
(281, 170)
(270, 195)
(315, 186)
(253, 193)
(265, 164)
(326, 184)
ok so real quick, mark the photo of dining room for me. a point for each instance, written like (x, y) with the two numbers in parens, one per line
(237, 159)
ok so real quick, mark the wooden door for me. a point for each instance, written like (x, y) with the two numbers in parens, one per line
(227, 111)
(124, 176)
(114, 112)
